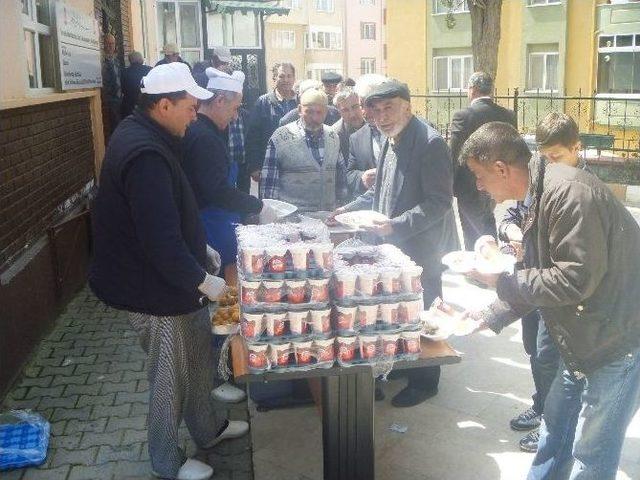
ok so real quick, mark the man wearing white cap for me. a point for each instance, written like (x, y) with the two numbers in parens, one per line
(150, 258)
(303, 164)
(207, 163)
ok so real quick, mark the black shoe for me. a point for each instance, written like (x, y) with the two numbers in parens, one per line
(527, 420)
(379, 394)
(411, 396)
(529, 443)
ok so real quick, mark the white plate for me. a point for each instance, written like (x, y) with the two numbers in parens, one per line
(465, 261)
(447, 325)
(276, 211)
(361, 218)
(460, 261)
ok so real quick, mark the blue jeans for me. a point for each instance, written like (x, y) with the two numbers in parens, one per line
(543, 356)
(585, 421)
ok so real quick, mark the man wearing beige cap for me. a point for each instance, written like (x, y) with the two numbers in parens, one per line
(303, 164)
(171, 54)
(150, 259)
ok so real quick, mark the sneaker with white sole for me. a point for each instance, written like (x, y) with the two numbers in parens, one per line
(233, 429)
(228, 393)
(192, 469)
(529, 443)
(527, 420)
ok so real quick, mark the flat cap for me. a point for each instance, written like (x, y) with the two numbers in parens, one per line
(331, 77)
(388, 89)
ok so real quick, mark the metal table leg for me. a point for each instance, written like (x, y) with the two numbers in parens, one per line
(347, 426)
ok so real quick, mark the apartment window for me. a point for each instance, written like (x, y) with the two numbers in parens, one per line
(37, 16)
(284, 39)
(457, 6)
(234, 30)
(367, 31)
(452, 72)
(619, 64)
(543, 2)
(367, 2)
(543, 71)
(179, 23)
(367, 65)
(293, 4)
(324, 6)
(316, 71)
(324, 40)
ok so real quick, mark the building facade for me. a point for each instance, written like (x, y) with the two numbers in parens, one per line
(311, 37)
(52, 138)
(585, 53)
(365, 34)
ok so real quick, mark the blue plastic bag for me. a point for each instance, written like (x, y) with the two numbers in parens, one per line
(24, 439)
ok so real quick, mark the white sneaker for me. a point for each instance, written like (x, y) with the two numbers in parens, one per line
(235, 429)
(228, 393)
(192, 469)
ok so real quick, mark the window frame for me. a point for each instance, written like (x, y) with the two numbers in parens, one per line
(633, 48)
(463, 78)
(367, 27)
(311, 44)
(436, 6)
(331, 6)
(545, 76)
(177, 14)
(30, 24)
(279, 42)
(545, 4)
(371, 61)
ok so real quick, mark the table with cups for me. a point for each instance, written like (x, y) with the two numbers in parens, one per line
(310, 312)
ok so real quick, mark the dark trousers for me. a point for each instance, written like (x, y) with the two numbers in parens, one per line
(543, 356)
(244, 179)
(477, 219)
(427, 378)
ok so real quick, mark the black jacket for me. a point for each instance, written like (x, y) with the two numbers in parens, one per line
(423, 221)
(131, 78)
(149, 245)
(586, 277)
(206, 164)
(463, 124)
(263, 121)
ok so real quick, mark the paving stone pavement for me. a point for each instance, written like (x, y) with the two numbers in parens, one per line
(88, 378)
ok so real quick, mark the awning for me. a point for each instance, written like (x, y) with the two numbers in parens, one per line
(230, 6)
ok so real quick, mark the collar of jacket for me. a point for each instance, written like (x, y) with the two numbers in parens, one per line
(275, 98)
(210, 124)
(536, 183)
(173, 142)
(478, 99)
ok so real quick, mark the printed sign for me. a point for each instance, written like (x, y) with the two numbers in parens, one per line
(78, 48)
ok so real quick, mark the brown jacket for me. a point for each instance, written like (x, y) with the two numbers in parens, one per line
(587, 280)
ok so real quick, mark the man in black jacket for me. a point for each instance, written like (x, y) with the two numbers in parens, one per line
(585, 280)
(150, 258)
(131, 78)
(207, 163)
(413, 188)
(475, 208)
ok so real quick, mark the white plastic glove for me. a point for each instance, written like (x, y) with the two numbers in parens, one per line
(214, 262)
(513, 233)
(213, 287)
(268, 214)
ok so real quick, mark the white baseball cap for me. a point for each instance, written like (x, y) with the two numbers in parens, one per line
(219, 80)
(172, 77)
